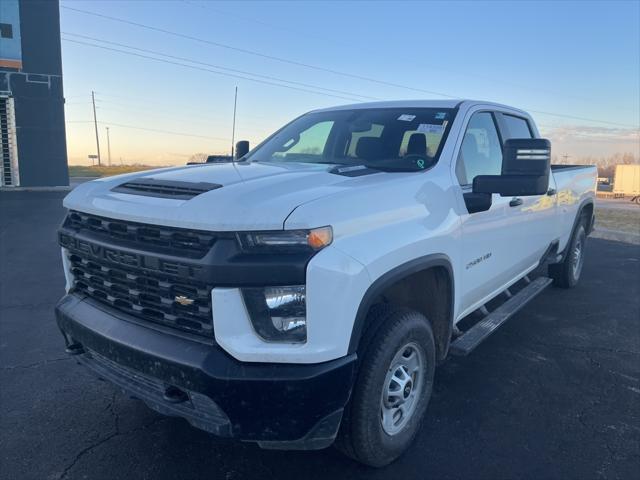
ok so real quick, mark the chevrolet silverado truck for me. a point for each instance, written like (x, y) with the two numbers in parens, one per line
(305, 293)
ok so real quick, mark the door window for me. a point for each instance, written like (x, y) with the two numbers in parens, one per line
(481, 151)
(516, 127)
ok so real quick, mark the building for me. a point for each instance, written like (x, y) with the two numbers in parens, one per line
(34, 150)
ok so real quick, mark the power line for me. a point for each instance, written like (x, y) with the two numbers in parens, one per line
(257, 54)
(169, 132)
(314, 67)
(111, 124)
(148, 104)
(209, 70)
(198, 62)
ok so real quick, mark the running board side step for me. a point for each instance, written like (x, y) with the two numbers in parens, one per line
(469, 340)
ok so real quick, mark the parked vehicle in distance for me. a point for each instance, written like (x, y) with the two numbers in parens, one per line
(626, 182)
(214, 159)
(219, 159)
(306, 293)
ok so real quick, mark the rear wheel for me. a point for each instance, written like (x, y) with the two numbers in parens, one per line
(567, 274)
(392, 390)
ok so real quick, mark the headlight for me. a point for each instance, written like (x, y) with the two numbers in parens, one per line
(286, 240)
(278, 314)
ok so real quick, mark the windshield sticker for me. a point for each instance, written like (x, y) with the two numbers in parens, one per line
(441, 115)
(429, 128)
(406, 118)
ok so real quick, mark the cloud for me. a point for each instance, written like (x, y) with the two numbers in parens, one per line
(593, 133)
(581, 140)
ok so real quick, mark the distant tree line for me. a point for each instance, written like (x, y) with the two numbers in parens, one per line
(606, 165)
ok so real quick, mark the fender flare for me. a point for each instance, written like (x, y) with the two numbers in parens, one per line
(389, 278)
(589, 226)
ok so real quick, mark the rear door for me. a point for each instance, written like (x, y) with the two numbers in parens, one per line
(531, 218)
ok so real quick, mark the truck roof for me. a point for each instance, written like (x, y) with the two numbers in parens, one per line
(450, 103)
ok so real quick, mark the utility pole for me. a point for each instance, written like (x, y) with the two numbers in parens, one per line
(95, 124)
(233, 130)
(108, 147)
(565, 157)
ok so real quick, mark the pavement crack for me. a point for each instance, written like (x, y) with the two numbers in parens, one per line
(115, 433)
(35, 364)
(83, 452)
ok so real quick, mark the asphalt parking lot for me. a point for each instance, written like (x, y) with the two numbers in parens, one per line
(555, 393)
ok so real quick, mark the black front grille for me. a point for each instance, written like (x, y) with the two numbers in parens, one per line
(142, 236)
(152, 296)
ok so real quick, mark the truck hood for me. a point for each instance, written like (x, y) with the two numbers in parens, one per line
(253, 196)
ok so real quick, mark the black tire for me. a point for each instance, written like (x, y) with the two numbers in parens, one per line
(362, 435)
(567, 273)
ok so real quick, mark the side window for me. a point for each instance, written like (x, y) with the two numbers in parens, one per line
(310, 143)
(516, 127)
(481, 151)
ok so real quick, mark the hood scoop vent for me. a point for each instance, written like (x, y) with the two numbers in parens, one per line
(151, 187)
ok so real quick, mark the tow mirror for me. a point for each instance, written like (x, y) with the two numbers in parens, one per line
(526, 163)
(242, 148)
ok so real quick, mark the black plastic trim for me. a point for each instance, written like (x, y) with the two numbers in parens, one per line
(225, 264)
(393, 276)
(267, 402)
(569, 167)
(179, 190)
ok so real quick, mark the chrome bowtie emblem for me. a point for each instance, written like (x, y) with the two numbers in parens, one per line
(184, 301)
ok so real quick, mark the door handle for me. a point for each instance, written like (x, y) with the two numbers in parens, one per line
(515, 202)
(551, 192)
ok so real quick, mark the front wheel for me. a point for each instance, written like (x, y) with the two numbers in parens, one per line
(567, 274)
(392, 390)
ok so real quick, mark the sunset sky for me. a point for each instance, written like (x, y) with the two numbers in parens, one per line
(574, 65)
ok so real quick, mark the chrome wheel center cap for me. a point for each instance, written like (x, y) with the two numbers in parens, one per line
(407, 390)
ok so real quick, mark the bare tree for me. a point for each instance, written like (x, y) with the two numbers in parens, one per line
(198, 157)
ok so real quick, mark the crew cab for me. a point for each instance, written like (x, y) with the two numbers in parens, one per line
(305, 293)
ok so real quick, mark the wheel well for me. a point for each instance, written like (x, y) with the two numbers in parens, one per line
(429, 292)
(587, 215)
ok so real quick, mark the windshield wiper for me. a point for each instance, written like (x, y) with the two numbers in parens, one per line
(398, 165)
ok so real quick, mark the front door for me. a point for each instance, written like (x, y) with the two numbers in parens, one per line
(486, 246)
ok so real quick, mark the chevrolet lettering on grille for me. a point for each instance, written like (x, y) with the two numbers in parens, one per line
(128, 259)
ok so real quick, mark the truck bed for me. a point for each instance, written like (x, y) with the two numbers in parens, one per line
(574, 183)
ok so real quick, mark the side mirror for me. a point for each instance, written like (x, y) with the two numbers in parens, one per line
(526, 163)
(242, 148)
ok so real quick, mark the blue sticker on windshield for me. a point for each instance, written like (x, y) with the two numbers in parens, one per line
(420, 163)
(441, 115)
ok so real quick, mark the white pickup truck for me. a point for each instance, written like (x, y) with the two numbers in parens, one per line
(305, 293)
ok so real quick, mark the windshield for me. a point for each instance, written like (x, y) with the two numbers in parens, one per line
(391, 139)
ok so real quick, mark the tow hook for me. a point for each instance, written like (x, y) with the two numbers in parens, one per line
(74, 349)
(175, 395)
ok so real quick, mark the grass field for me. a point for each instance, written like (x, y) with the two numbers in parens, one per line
(104, 171)
(627, 221)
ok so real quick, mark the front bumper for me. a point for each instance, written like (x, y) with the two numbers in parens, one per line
(295, 406)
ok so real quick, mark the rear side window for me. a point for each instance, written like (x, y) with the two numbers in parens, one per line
(516, 127)
(481, 151)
